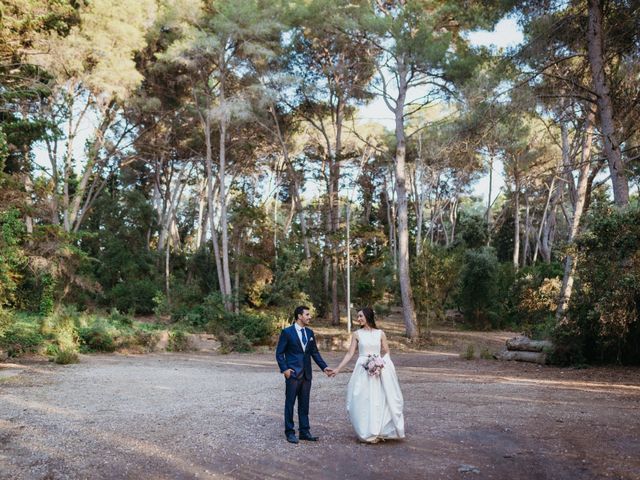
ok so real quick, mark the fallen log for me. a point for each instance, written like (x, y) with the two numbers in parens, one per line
(525, 344)
(521, 356)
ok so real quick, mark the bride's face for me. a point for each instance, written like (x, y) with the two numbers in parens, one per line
(362, 321)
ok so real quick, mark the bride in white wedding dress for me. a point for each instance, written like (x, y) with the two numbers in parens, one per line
(374, 399)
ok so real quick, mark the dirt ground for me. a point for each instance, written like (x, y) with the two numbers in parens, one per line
(195, 415)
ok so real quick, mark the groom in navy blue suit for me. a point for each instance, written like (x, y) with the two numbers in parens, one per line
(296, 347)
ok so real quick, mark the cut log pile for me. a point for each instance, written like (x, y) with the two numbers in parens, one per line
(523, 349)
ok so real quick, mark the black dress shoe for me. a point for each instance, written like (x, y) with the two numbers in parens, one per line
(291, 438)
(309, 438)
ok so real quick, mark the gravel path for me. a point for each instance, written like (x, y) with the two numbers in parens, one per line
(182, 416)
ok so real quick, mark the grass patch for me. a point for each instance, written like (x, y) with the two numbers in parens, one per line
(485, 354)
(469, 353)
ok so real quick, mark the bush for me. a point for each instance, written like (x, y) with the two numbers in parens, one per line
(178, 341)
(6, 320)
(603, 323)
(116, 317)
(21, 337)
(147, 340)
(134, 296)
(240, 331)
(65, 357)
(97, 338)
(257, 328)
(435, 274)
(63, 326)
(234, 343)
(478, 287)
(469, 353)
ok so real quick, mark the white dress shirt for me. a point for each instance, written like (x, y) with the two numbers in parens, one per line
(299, 332)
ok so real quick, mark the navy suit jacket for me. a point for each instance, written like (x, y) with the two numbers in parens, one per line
(289, 353)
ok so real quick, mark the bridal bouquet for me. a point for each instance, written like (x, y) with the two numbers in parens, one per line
(374, 365)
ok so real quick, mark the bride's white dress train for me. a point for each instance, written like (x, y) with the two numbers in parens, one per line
(374, 403)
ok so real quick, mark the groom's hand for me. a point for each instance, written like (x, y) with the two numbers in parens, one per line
(328, 371)
(287, 373)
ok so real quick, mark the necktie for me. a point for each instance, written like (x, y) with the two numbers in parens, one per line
(304, 337)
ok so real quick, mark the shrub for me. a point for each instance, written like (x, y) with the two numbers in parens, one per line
(485, 354)
(478, 287)
(435, 275)
(20, 338)
(147, 340)
(97, 338)
(6, 320)
(63, 326)
(469, 353)
(65, 357)
(161, 304)
(237, 342)
(118, 318)
(178, 341)
(257, 328)
(603, 323)
(134, 296)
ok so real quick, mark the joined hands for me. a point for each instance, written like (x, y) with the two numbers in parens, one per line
(331, 372)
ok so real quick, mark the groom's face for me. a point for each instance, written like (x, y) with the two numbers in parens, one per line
(305, 317)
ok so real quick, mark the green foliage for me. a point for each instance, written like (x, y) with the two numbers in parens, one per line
(161, 305)
(256, 328)
(47, 298)
(469, 353)
(6, 320)
(485, 354)
(288, 285)
(135, 296)
(234, 342)
(22, 336)
(63, 325)
(97, 338)
(604, 318)
(435, 275)
(66, 357)
(178, 341)
(472, 229)
(12, 256)
(534, 296)
(478, 287)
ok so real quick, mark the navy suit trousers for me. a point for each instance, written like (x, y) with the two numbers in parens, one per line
(300, 389)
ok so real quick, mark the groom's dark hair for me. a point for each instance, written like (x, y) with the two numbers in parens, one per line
(299, 311)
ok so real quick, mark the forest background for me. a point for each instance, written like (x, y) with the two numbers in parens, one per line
(224, 177)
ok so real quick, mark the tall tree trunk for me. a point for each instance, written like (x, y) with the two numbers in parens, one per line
(390, 221)
(222, 172)
(488, 212)
(236, 279)
(199, 237)
(596, 49)
(208, 164)
(453, 217)
(516, 215)
(526, 240)
(578, 210)
(408, 307)
(544, 250)
(334, 178)
(295, 187)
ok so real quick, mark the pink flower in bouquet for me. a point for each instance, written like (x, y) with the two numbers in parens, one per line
(374, 365)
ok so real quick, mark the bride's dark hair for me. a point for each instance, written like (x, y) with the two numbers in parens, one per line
(369, 316)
